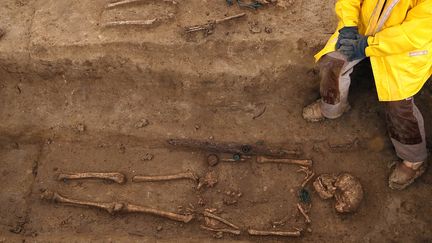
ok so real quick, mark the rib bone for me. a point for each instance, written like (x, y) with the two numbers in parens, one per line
(111, 176)
(114, 207)
(184, 175)
(303, 162)
(296, 233)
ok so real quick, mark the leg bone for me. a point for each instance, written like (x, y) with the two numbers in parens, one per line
(110, 207)
(184, 175)
(127, 2)
(114, 207)
(303, 162)
(111, 176)
(210, 215)
(230, 231)
(274, 233)
(130, 22)
(130, 208)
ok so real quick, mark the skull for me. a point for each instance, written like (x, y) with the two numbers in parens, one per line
(346, 189)
(349, 193)
(324, 185)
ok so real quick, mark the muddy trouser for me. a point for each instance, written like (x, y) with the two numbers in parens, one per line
(405, 123)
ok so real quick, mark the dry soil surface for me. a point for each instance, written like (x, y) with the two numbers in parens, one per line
(74, 94)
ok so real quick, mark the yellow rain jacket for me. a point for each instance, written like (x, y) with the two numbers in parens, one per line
(400, 42)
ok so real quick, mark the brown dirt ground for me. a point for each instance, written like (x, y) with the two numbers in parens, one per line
(59, 70)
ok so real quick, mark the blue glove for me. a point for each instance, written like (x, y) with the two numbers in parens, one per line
(354, 49)
(350, 33)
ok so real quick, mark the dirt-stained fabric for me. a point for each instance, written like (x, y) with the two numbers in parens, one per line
(330, 71)
(405, 123)
(402, 125)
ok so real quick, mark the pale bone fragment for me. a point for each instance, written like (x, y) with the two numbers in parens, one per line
(210, 179)
(280, 222)
(242, 159)
(303, 212)
(210, 215)
(213, 159)
(302, 162)
(110, 207)
(153, 178)
(309, 174)
(230, 18)
(324, 185)
(115, 207)
(211, 222)
(130, 208)
(127, 2)
(296, 233)
(211, 24)
(307, 179)
(111, 176)
(223, 230)
(131, 22)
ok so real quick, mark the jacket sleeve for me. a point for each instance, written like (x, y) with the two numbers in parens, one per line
(348, 11)
(412, 34)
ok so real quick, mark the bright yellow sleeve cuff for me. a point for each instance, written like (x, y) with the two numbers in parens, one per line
(371, 49)
(350, 23)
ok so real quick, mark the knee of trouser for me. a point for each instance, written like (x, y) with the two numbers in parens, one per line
(402, 125)
(397, 108)
(330, 70)
(330, 65)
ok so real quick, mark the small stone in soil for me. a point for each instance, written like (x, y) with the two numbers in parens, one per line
(142, 123)
(147, 157)
(268, 30)
(80, 128)
(122, 148)
(218, 235)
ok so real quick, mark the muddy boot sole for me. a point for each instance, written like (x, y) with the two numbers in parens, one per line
(417, 173)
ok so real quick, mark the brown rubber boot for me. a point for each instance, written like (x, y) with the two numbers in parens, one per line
(403, 175)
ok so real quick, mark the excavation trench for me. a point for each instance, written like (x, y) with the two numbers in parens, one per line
(77, 97)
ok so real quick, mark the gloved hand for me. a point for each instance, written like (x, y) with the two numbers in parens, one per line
(354, 49)
(350, 33)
